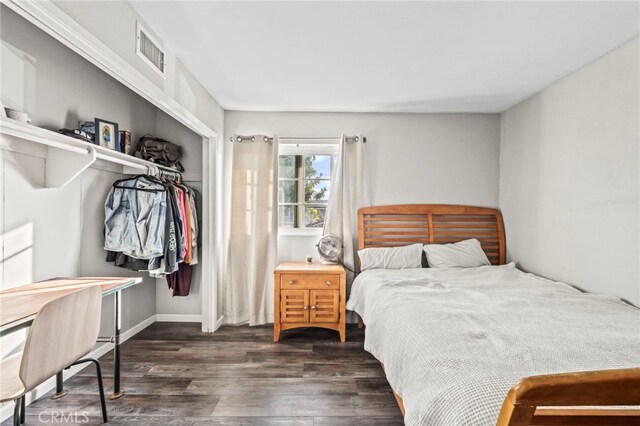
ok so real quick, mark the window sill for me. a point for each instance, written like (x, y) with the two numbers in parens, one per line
(300, 232)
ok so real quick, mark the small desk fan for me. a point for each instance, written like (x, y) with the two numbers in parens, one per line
(330, 249)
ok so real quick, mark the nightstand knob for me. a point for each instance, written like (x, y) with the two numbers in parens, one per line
(327, 282)
(313, 307)
(292, 282)
(306, 308)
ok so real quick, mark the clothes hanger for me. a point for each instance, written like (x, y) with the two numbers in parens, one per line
(149, 176)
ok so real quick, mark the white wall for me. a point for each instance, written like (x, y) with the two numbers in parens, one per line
(412, 158)
(569, 177)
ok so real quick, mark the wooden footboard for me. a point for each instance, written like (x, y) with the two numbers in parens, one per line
(556, 399)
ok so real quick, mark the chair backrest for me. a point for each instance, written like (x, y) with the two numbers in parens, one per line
(64, 330)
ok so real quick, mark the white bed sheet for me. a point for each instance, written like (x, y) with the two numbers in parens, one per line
(454, 341)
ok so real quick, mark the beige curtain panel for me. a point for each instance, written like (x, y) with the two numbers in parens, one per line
(253, 245)
(349, 191)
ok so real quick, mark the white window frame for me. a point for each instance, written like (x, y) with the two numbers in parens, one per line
(305, 149)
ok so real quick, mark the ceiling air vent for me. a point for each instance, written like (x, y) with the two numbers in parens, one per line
(149, 50)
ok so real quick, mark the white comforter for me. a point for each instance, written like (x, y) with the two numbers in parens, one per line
(454, 341)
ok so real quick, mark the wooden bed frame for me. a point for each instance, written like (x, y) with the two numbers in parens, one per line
(554, 399)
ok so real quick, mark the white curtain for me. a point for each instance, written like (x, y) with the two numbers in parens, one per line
(349, 191)
(253, 235)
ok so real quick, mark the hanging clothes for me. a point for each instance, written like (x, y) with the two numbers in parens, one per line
(152, 225)
(188, 230)
(170, 261)
(180, 282)
(135, 214)
(172, 195)
(195, 228)
(183, 221)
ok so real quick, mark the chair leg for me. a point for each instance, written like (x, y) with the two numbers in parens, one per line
(103, 402)
(23, 409)
(16, 413)
(101, 388)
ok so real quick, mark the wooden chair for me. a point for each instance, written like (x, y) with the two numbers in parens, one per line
(63, 331)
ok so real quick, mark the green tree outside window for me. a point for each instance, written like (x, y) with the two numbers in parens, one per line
(304, 182)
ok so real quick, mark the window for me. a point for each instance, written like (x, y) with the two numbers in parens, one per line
(304, 179)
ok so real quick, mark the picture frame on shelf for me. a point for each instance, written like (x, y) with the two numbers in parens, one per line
(107, 134)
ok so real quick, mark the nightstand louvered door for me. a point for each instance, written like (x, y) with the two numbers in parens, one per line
(325, 305)
(294, 306)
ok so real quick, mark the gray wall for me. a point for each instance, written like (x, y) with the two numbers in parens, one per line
(57, 88)
(120, 36)
(569, 177)
(58, 232)
(180, 84)
(412, 158)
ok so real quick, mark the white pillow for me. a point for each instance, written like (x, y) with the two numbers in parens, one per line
(465, 254)
(391, 257)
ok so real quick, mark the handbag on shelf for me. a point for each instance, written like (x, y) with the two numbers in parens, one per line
(159, 151)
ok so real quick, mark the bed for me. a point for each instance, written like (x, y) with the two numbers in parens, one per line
(492, 344)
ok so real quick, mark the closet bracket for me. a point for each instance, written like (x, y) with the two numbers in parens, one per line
(63, 166)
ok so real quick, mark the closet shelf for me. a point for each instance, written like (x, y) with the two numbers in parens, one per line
(67, 157)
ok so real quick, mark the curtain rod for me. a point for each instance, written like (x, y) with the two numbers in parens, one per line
(253, 138)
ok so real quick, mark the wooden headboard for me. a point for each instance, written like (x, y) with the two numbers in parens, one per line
(403, 224)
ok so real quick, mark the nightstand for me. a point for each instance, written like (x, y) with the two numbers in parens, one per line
(309, 295)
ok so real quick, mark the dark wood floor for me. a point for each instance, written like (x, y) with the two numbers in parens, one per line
(174, 375)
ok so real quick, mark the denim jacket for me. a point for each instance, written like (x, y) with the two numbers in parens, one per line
(134, 220)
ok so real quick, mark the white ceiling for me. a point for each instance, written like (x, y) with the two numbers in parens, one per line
(386, 56)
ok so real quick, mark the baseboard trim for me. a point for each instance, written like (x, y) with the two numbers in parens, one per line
(135, 329)
(178, 318)
(7, 409)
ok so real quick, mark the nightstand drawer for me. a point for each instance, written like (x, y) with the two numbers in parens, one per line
(309, 281)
